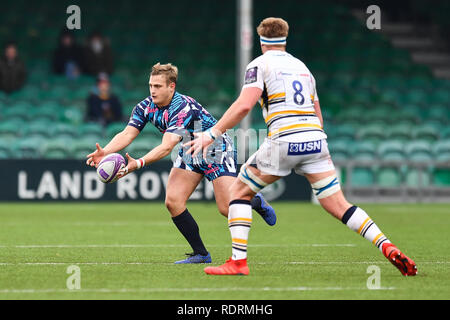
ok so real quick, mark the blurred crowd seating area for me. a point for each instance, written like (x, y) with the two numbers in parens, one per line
(377, 104)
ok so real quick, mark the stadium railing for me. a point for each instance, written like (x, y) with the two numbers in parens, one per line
(425, 186)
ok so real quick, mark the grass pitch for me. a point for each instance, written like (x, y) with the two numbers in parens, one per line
(127, 250)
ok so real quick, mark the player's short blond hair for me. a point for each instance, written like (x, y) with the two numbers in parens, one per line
(273, 28)
(168, 70)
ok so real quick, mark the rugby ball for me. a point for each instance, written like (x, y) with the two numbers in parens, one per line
(109, 167)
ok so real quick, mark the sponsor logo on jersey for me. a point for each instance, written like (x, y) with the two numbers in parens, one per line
(300, 148)
(251, 75)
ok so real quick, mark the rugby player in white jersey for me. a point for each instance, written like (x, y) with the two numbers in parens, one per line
(296, 141)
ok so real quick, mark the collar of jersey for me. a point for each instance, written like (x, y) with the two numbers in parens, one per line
(276, 52)
(170, 103)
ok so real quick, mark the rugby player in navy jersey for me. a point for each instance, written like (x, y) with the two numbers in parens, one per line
(178, 116)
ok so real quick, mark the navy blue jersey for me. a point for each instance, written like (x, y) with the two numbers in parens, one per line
(183, 116)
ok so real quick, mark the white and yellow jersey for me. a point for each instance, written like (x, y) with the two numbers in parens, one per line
(287, 101)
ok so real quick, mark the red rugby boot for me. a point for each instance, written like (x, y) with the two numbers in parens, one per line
(230, 267)
(406, 266)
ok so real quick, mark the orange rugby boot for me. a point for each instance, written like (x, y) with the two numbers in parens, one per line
(406, 266)
(230, 267)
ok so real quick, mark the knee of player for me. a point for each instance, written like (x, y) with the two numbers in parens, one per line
(223, 210)
(247, 184)
(173, 203)
(326, 187)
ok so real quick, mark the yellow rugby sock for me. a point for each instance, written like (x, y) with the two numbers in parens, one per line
(239, 223)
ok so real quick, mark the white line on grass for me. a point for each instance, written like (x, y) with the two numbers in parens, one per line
(156, 290)
(171, 263)
(95, 224)
(32, 246)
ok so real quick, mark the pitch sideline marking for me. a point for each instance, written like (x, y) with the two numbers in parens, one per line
(171, 263)
(37, 246)
(155, 290)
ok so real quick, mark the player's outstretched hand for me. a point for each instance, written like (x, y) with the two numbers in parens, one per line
(95, 157)
(131, 166)
(201, 142)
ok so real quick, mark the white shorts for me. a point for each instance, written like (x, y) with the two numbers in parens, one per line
(278, 158)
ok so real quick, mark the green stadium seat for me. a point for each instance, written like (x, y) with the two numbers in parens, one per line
(80, 148)
(393, 157)
(373, 133)
(418, 82)
(340, 150)
(115, 128)
(43, 113)
(391, 84)
(362, 96)
(445, 133)
(351, 114)
(5, 149)
(30, 92)
(79, 93)
(428, 133)
(38, 129)
(140, 148)
(364, 150)
(434, 123)
(15, 112)
(71, 115)
(389, 177)
(58, 91)
(3, 97)
(415, 97)
(391, 151)
(417, 178)
(396, 117)
(421, 157)
(440, 96)
(343, 132)
(438, 114)
(363, 177)
(56, 149)
(418, 151)
(408, 116)
(90, 130)
(128, 106)
(390, 96)
(5, 154)
(441, 177)
(29, 148)
(11, 129)
(150, 132)
(400, 132)
(64, 131)
(375, 116)
(217, 110)
(441, 150)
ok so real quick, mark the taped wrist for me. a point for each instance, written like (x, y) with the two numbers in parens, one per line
(140, 163)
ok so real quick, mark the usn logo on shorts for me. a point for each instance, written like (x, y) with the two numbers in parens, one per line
(301, 148)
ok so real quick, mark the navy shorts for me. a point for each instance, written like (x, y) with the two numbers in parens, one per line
(220, 161)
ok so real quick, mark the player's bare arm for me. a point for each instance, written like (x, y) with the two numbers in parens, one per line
(169, 141)
(237, 111)
(318, 112)
(119, 142)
